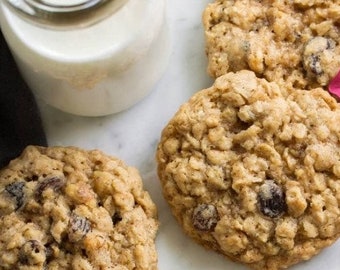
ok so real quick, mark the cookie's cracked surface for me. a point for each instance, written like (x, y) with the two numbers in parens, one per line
(293, 42)
(67, 208)
(252, 170)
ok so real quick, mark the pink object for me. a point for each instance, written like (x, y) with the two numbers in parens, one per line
(334, 85)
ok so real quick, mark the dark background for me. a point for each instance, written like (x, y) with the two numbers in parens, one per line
(20, 122)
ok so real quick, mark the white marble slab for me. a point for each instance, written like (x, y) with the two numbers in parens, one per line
(133, 134)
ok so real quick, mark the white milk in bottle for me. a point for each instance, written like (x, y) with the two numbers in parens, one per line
(88, 57)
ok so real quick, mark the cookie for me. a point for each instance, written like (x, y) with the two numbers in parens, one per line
(252, 170)
(67, 208)
(294, 42)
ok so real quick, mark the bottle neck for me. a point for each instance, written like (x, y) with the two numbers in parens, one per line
(64, 14)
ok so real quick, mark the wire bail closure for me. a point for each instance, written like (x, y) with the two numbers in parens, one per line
(51, 14)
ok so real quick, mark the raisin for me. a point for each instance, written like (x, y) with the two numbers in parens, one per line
(78, 227)
(314, 51)
(116, 218)
(16, 190)
(32, 253)
(49, 252)
(315, 65)
(205, 217)
(55, 183)
(272, 199)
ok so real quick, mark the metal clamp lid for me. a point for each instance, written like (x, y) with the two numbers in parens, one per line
(61, 14)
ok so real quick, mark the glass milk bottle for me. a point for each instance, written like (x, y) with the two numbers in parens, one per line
(88, 57)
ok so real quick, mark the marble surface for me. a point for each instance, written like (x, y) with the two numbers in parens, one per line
(132, 135)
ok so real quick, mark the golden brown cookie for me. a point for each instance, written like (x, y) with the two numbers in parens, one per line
(67, 208)
(252, 171)
(294, 42)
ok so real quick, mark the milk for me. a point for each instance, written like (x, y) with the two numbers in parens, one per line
(96, 70)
